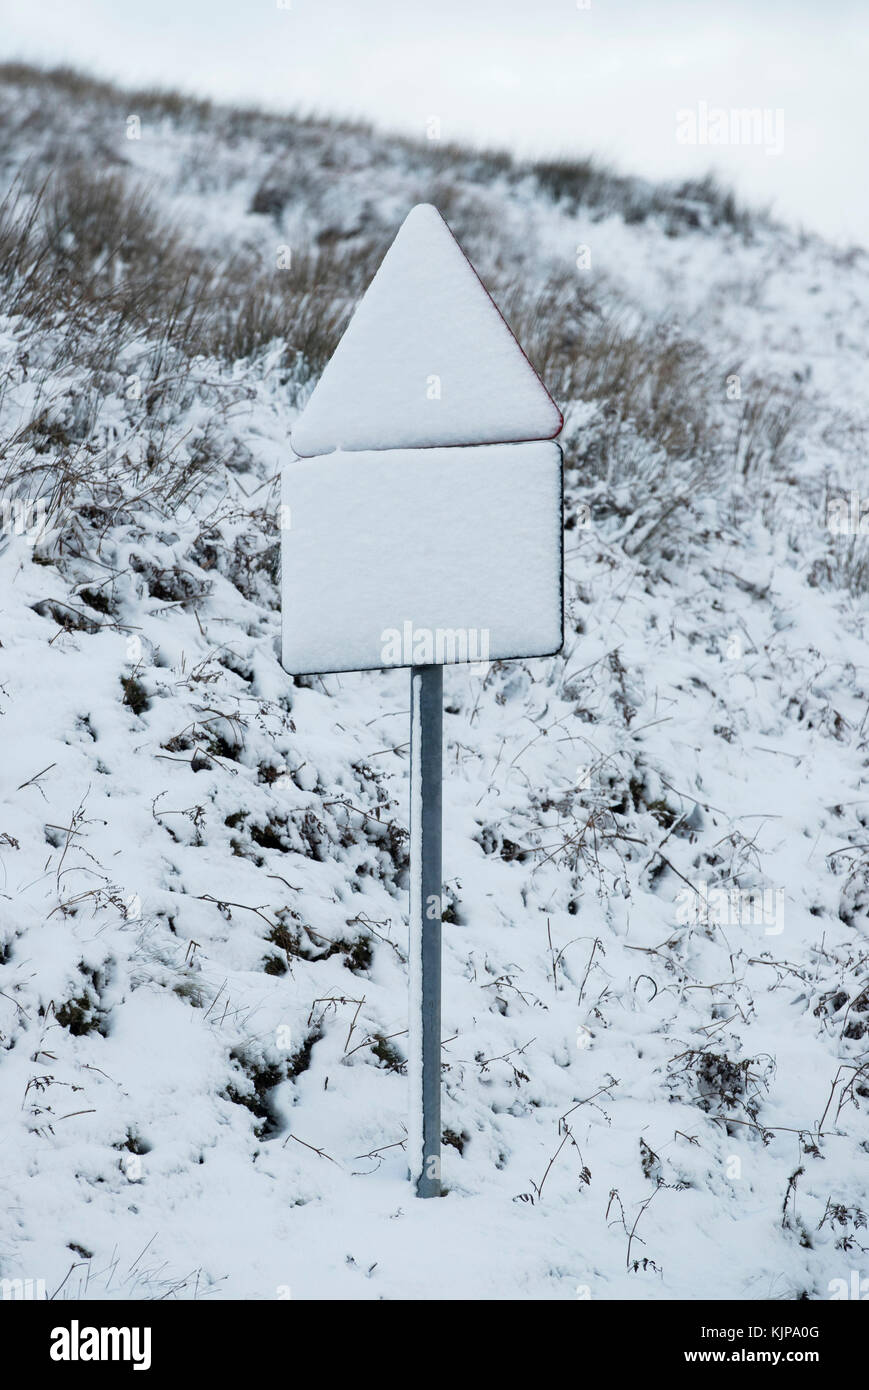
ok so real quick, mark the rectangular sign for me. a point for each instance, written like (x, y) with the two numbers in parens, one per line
(418, 557)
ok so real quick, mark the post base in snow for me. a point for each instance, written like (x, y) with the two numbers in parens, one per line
(424, 1012)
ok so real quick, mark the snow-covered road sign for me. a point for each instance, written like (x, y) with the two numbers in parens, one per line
(422, 557)
(422, 526)
(419, 506)
(426, 359)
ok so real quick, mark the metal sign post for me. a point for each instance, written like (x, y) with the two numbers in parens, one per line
(424, 1055)
(449, 514)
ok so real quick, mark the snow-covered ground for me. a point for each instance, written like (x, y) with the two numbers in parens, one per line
(656, 965)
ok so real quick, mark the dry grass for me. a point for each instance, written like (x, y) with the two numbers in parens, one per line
(701, 203)
(88, 248)
(93, 257)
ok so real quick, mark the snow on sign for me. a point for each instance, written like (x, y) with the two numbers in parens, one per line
(405, 557)
(426, 360)
(421, 526)
(400, 525)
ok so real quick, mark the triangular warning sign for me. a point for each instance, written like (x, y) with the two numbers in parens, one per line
(426, 361)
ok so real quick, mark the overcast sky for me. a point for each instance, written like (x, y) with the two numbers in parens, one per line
(531, 75)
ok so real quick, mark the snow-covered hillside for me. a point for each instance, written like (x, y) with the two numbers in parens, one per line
(656, 972)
